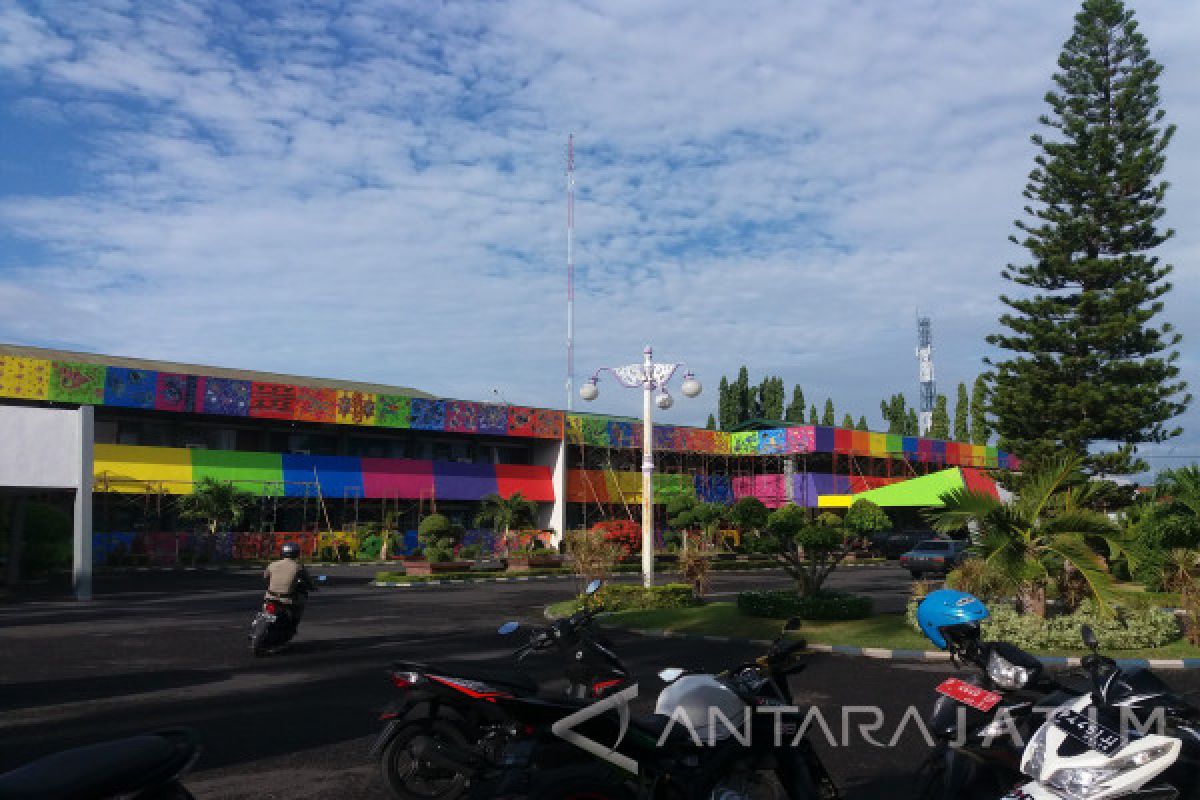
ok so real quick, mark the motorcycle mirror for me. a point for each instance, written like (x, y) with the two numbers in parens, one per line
(1089, 638)
(507, 628)
(593, 587)
(670, 674)
(322, 578)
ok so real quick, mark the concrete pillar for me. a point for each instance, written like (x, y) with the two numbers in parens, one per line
(789, 478)
(554, 515)
(82, 567)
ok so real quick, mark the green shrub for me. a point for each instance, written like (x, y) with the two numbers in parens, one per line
(827, 605)
(622, 597)
(469, 551)
(1130, 629)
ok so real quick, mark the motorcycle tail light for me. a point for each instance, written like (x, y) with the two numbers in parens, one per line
(271, 608)
(405, 680)
(599, 687)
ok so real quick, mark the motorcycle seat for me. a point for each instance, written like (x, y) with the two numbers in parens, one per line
(500, 678)
(93, 772)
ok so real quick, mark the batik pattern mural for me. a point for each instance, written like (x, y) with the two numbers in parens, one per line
(547, 424)
(77, 383)
(174, 392)
(356, 408)
(462, 416)
(594, 431)
(395, 411)
(772, 441)
(130, 388)
(428, 415)
(493, 419)
(227, 397)
(624, 434)
(315, 405)
(745, 443)
(272, 400)
(801, 440)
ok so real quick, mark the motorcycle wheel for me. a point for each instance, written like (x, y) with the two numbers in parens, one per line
(258, 636)
(578, 783)
(409, 778)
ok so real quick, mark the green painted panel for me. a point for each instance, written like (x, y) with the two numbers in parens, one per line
(667, 486)
(924, 491)
(745, 443)
(395, 411)
(259, 473)
(895, 443)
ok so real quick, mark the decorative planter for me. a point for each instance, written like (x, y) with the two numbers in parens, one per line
(435, 568)
(526, 563)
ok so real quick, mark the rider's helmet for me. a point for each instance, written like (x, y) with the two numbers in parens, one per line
(950, 619)
(290, 550)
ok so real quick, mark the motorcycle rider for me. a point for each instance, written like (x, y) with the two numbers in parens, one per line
(288, 582)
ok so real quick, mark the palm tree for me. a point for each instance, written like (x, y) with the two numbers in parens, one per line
(215, 503)
(509, 512)
(1179, 489)
(1028, 541)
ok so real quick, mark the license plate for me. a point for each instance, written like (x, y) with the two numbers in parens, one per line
(269, 617)
(1089, 732)
(969, 694)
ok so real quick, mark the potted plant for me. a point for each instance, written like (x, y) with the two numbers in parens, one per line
(532, 554)
(437, 538)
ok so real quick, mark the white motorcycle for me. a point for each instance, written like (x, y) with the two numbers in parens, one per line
(1132, 737)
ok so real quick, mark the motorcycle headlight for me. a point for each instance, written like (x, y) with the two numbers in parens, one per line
(1006, 674)
(1085, 782)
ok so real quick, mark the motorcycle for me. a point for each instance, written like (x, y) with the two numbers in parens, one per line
(146, 767)
(448, 726)
(747, 745)
(275, 624)
(980, 724)
(1131, 736)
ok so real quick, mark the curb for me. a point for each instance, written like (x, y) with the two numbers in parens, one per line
(914, 655)
(450, 581)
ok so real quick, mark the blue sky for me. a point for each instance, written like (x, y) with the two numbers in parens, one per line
(367, 191)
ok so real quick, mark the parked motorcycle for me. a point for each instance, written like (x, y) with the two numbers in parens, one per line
(275, 624)
(735, 735)
(449, 725)
(980, 724)
(145, 767)
(1131, 736)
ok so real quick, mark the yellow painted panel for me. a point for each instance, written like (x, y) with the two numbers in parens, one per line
(126, 468)
(835, 500)
(357, 408)
(879, 444)
(26, 378)
(624, 487)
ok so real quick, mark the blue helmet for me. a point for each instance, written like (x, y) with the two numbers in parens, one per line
(947, 608)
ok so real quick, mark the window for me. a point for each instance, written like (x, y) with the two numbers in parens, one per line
(106, 431)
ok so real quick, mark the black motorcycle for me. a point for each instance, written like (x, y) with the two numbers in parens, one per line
(275, 624)
(145, 767)
(754, 748)
(980, 725)
(449, 725)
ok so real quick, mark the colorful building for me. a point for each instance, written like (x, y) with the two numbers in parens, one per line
(324, 454)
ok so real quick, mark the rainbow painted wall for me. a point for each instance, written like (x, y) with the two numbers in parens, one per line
(29, 378)
(133, 469)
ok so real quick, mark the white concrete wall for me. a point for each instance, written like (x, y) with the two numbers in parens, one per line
(43, 448)
(553, 516)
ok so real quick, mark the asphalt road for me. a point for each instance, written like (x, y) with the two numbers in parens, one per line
(159, 650)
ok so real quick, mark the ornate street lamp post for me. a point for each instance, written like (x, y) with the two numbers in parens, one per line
(649, 377)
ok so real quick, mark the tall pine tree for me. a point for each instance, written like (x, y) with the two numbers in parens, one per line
(829, 417)
(795, 409)
(862, 424)
(980, 433)
(939, 426)
(1085, 364)
(848, 422)
(962, 415)
(712, 423)
(812, 415)
(743, 396)
(726, 405)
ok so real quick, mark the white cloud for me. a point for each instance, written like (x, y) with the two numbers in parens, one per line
(378, 195)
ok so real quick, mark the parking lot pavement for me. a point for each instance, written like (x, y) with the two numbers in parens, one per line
(153, 654)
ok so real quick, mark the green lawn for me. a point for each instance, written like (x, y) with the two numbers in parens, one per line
(885, 630)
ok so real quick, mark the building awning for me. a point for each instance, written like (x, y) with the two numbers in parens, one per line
(927, 490)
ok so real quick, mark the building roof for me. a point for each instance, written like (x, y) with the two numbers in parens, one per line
(206, 371)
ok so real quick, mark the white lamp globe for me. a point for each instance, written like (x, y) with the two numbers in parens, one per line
(589, 391)
(664, 401)
(691, 386)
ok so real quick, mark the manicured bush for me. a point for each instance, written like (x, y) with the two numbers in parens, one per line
(469, 551)
(1127, 630)
(621, 597)
(826, 605)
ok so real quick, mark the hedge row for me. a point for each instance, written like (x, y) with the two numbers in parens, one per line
(622, 597)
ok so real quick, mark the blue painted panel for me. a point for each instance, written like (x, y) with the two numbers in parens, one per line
(340, 477)
(911, 443)
(130, 388)
(455, 481)
(824, 438)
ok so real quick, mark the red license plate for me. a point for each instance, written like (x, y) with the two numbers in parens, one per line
(969, 694)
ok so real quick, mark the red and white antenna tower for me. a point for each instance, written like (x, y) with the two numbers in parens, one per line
(570, 270)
